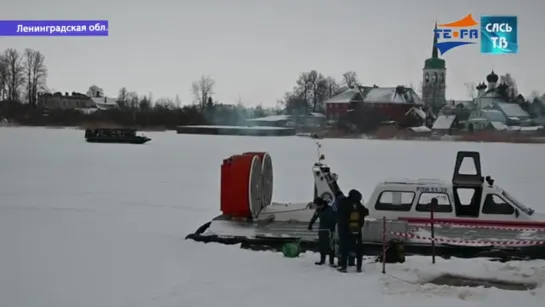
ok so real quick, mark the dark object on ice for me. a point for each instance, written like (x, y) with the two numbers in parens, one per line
(108, 135)
(395, 252)
(291, 250)
(464, 281)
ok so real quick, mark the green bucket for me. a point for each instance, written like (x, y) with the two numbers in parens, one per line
(291, 250)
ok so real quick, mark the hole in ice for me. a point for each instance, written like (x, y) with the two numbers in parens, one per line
(467, 167)
(464, 281)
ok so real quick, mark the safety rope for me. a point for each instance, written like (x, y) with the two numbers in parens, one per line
(303, 229)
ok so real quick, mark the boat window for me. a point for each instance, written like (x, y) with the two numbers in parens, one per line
(443, 202)
(467, 167)
(395, 201)
(495, 204)
(515, 202)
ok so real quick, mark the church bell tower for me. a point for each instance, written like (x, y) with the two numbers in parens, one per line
(433, 81)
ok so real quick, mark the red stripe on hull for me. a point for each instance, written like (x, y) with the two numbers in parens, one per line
(476, 222)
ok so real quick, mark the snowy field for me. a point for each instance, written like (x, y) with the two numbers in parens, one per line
(104, 224)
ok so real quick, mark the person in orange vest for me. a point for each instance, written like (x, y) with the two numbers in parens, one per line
(351, 217)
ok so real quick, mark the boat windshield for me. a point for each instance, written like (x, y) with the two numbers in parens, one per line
(520, 206)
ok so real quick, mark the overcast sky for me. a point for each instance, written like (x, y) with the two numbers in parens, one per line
(255, 49)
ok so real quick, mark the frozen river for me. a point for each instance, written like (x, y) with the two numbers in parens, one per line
(103, 224)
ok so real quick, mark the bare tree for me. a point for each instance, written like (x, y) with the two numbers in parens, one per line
(321, 88)
(259, 111)
(332, 86)
(3, 77)
(202, 89)
(133, 100)
(144, 103)
(512, 90)
(350, 79)
(294, 104)
(314, 79)
(471, 89)
(95, 91)
(15, 73)
(325, 88)
(123, 96)
(36, 74)
(177, 101)
(310, 92)
(302, 91)
(534, 96)
(165, 103)
(28, 64)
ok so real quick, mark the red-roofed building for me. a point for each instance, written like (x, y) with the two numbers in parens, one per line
(392, 102)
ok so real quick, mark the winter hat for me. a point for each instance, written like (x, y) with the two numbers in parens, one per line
(355, 195)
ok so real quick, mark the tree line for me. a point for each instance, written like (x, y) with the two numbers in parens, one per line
(312, 89)
(22, 76)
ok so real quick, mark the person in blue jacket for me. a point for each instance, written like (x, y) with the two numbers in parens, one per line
(351, 217)
(328, 219)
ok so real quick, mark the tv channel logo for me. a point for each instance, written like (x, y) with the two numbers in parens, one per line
(499, 34)
(459, 33)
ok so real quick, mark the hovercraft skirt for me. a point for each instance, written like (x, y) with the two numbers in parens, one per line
(247, 235)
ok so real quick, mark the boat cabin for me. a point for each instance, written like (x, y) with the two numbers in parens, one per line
(407, 199)
(107, 132)
(468, 196)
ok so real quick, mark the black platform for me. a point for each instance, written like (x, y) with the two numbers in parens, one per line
(236, 130)
(499, 253)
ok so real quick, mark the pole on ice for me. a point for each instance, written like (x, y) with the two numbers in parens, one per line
(318, 149)
(384, 246)
(432, 228)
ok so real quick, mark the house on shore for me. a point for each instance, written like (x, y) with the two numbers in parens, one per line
(393, 103)
(499, 97)
(495, 107)
(75, 101)
(485, 119)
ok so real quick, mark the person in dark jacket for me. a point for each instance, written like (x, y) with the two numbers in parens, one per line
(351, 217)
(338, 198)
(327, 217)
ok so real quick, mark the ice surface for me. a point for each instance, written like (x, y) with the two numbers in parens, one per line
(103, 224)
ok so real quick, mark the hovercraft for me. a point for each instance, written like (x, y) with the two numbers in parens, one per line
(472, 217)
